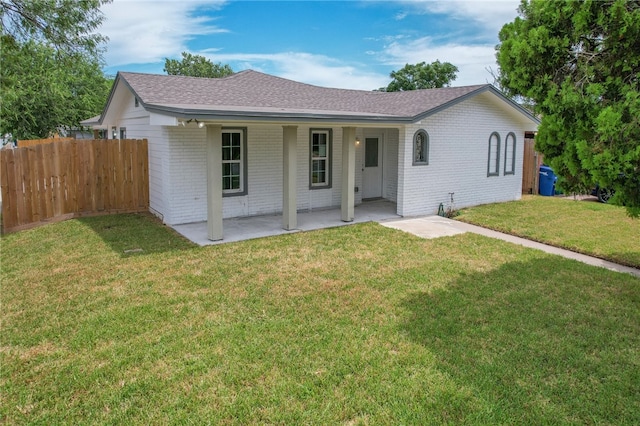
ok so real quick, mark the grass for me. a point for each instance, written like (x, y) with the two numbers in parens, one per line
(116, 320)
(588, 227)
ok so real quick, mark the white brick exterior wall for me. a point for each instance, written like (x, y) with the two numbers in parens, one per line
(458, 155)
(187, 171)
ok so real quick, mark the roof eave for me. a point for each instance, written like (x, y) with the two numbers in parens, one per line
(109, 99)
(93, 121)
(289, 116)
(516, 105)
(100, 118)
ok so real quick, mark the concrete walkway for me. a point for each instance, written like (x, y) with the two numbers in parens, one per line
(436, 226)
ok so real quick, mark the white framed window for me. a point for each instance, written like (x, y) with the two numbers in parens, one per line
(421, 148)
(320, 141)
(234, 162)
(493, 162)
(123, 132)
(510, 154)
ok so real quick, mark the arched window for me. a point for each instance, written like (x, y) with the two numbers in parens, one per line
(510, 154)
(420, 148)
(493, 163)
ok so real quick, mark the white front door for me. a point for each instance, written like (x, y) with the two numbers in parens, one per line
(372, 171)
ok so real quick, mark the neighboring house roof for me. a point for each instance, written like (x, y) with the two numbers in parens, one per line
(91, 121)
(254, 95)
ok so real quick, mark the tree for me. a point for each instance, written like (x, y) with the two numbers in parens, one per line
(422, 76)
(196, 66)
(579, 63)
(51, 58)
(44, 89)
(67, 25)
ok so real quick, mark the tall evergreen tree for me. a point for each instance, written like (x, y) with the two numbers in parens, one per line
(579, 63)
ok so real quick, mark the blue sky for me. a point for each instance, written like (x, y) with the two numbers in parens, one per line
(348, 44)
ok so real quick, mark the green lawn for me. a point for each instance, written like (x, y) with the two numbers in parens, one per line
(588, 227)
(117, 320)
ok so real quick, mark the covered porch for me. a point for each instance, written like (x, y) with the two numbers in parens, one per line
(246, 228)
(359, 169)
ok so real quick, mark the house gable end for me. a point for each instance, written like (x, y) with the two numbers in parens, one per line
(486, 90)
(121, 91)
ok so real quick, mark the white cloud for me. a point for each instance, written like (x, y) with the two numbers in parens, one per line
(491, 15)
(144, 31)
(306, 67)
(472, 60)
(472, 56)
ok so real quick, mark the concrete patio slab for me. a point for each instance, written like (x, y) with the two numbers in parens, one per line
(246, 228)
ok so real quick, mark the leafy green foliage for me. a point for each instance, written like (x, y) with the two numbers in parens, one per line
(44, 90)
(579, 62)
(51, 76)
(196, 66)
(67, 25)
(422, 76)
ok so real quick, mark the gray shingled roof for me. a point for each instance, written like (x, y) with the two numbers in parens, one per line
(254, 94)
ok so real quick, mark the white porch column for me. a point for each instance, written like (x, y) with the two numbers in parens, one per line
(348, 172)
(214, 182)
(290, 169)
(405, 153)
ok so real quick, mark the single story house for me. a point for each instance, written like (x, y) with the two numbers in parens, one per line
(256, 144)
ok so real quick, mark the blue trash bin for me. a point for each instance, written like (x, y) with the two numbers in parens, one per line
(547, 181)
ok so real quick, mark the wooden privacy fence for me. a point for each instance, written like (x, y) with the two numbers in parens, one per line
(530, 167)
(56, 181)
